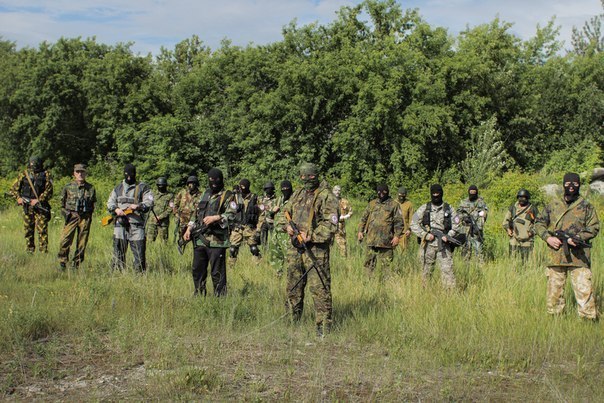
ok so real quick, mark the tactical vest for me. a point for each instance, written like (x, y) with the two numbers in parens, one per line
(531, 210)
(206, 209)
(447, 220)
(39, 182)
(249, 215)
(124, 200)
(83, 203)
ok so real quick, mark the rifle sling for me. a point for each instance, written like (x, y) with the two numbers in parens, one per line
(569, 208)
(33, 189)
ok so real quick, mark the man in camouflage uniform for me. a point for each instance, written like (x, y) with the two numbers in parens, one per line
(185, 203)
(159, 220)
(345, 213)
(209, 231)
(407, 212)
(314, 210)
(129, 203)
(77, 205)
(267, 215)
(281, 241)
(33, 190)
(381, 227)
(578, 218)
(473, 213)
(519, 224)
(440, 216)
(246, 222)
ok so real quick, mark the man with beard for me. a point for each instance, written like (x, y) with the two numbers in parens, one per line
(436, 226)
(345, 213)
(267, 215)
(519, 224)
(473, 213)
(314, 211)
(381, 227)
(208, 229)
(159, 221)
(567, 225)
(281, 241)
(407, 212)
(246, 221)
(33, 189)
(128, 204)
(185, 203)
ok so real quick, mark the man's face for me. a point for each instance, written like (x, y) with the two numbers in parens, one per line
(571, 185)
(473, 192)
(79, 175)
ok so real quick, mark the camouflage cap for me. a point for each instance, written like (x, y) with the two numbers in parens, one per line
(79, 167)
(309, 168)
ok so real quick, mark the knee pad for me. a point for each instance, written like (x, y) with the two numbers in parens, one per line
(255, 251)
(233, 250)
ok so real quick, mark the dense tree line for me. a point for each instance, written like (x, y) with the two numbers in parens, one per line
(378, 93)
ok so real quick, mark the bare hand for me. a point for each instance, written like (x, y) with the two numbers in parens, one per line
(187, 235)
(360, 236)
(290, 230)
(33, 202)
(20, 201)
(510, 233)
(445, 239)
(119, 212)
(407, 233)
(429, 237)
(554, 242)
(209, 220)
(571, 242)
(133, 207)
(395, 241)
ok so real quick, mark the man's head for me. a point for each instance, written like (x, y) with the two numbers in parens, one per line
(337, 191)
(80, 173)
(572, 185)
(473, 193)
(309, 175)
(286, 189)
(382, 191)
(162, 184)
(436, 194)
(269, 188)
(35, 163)
(244, 186)
(130, 174)
(192, 183)
(402, 194)
(523, 196)
(215, 180)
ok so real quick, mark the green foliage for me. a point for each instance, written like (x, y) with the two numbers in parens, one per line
(581, 157)
(502, 191)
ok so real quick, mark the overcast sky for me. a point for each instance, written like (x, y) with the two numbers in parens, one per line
(151, 24)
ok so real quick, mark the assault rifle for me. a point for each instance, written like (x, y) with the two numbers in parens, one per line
(302, 247)
(108, 219)
(438, 234)
(565, 237)
(38, 207)
(474, 230)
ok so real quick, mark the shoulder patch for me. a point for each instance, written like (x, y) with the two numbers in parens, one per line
(456, 219)
(261, 206)
(334, 218)
(233, 204)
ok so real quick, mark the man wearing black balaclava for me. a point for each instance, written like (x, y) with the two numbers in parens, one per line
(568, 225)
(245, 225)
(436, 225)
(519, 224)
(381, 227)
(185, 202)
(33, 189)
(473, 213)
(209, 232)
(129, 203)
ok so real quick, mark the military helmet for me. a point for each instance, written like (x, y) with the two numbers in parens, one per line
(523, 193)
(192, 179)
(162, 181)
(268, 185)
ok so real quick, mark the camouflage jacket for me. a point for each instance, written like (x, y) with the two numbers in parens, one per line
(381, 222)
(477, 209)
(124, 195)
(78, 198)
(185, 204)
(315, 213)
(42, 182)
(267, 213)
(521, 220)
(280, 221)
(407, 212)
(217, 234)
(437, 221)
(164, 202)
(580, 219)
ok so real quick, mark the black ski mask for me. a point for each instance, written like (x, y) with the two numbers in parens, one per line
(436, 194)
(215, 180)
(383, 192)
(35, 164)
(130, 174)
(244, 186)
(571, 192)
(402, 194)
(269, 189)
(286, 189)
(473, 193)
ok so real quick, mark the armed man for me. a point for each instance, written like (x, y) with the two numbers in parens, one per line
(209, 232)
(345, 213)
(312, 222)
(519, 224)
(407, 212)
(267, 215)
(185, 203)
(129, 203)
(381, 228)
(568, 225)
(437, 226)
(281, 240)
(33, 189)
(78, 200)
(246, 221)
(159, 220)
(473, 213)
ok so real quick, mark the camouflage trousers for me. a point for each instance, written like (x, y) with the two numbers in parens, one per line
(36, 222)
(238, 236)
(580, 279)
(74, 225)
(523, 251)
(473, 246)
(279, 246)
(340, 240)
(429, 255)
(153, 230)
(380, 259)
(297, 265)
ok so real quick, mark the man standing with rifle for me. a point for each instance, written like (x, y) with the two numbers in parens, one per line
(519, 224)
(436, 226)
(245, 225)
(185, 203)
(313, 220)
(159, 221)
(473, 213)
(33, 189)
(567, 225)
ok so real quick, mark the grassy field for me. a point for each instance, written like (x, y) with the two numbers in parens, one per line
(97, 334)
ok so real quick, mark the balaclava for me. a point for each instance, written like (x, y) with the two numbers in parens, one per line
(286, 189)
(438, 190)
(383, 192)
(402, 194)
(35, 164)
(244, 186)
(162, 184)
(192, 183)
(130, 174)
(269, 189)
(571, 192)
(308, 169)
(215, 180)
(473, 196)
(523, 197)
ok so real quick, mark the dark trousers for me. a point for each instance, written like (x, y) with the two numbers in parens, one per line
(203, 257)
(120, 246)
